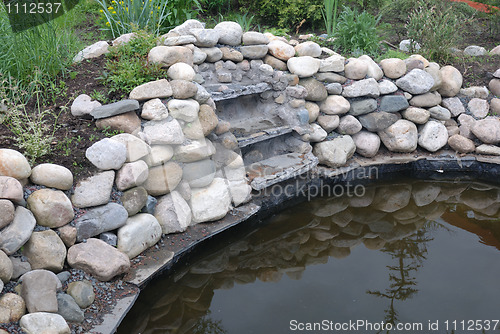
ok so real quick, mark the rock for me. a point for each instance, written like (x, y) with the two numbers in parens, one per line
(12, 308)
(45, 250)
(467, 122)
(336, 152)
(316, 91)
(426, 100)
(164, 132)
(480, 92)
(408, 45)
(11, 189)
(131, 175)
(329, 122)
(44, 323)
(494, 107)
(213, 54)
(387, 87)
(374, 71)
(127, 122)
(199, 56)
(114, 109)
(39, 291)
(186, 110)
(461, 144)
(366, 87)
(308, 48)
(92, 51)
(331, 77)
(281, 50)
(355, 69)
(82, 292)
(7, 209)
(417, 81)
(240, 192)
(488, 149)
(436, 75)
(440, 113)
(94, 190)
(52, 176)
(199, 174)
(349, 125)
(69, 309)
(19, 267)
(208, 119)
(6, 267)
(305, 66)
(416, 115)
(159, 155)
(163, 179)
(179, 40)
(98, 259)
(378, 121)
(110, 238)
(123, 39)
(168, 55)
(173, 213)
(479, 108)
(394, 68)
(205, 37)
(424, 61)
(433, 136)
(17, 233)
(413, 64)
(136, 148)
(194, 151)
(183, 89)
(67, 233)
(254, 38)
(335, 63)
(152, 90)
(133, 200)
(181, 71)
(452, 81)
(64, 276)
(275, 63)
(317, 134)
(495, 87)
(100, 219)
(154, 110)
(367, 143)
(107, 154)
(475, 51)
(454, 105)
(14, 164)
(186, 27)
(495, 50)
(334, 88)
(335, 105)
(138, 234)
(401, 136)
(254, 51)
(210, 203)
(487, 130)
(393, 103)
(83, 105)
(230, 33)
(361, 107)
(232, 54)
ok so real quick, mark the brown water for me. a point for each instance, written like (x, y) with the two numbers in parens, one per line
(424, 255)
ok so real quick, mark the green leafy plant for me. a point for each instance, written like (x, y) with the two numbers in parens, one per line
(278, 31)
(127, 66)
(392, 54)
(126, 15)
(357, 32)
(245, 21)
(180, 11)
(435, 29)
(329, 13)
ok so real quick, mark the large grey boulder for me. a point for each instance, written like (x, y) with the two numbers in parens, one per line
(107, 154)
(94, 190)
(138, 234)
(18, 232)
(163, 132)
(45, 250)
(336, 152)
(113, 109)
(52, 176)
(42, 322)
(69, 309)
(14, 164)
(163, 179)
(487, 130)
(433, 136)
(230, 33)
(100, 219)
(51, 208)
(417, 81)
(210, 203)
(39, 290)
(402, 136)
(173, 213)
(152, 90)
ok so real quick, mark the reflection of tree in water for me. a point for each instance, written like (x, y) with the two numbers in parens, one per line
(206, 325)
(409, 254)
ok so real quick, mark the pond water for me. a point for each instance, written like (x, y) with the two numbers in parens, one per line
(421, 255)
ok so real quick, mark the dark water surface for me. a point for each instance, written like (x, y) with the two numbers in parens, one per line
(424, 255)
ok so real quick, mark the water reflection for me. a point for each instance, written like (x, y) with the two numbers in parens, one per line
(398, 220)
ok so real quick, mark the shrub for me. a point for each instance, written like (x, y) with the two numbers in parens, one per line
(357, 33)
(434, 28)
(128, 67)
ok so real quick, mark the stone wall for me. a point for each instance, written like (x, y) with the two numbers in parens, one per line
(237, 111)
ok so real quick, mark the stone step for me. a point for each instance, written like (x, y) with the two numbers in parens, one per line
(263, 136)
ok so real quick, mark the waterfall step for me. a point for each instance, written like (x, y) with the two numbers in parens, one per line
(263, 136)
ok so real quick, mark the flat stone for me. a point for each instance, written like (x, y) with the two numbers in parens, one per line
(254, 38)
(69, 309)
(426, 100)
(334, 88)
(100, 219)
(136, 148)
(7, 209)
(82, 292)
(281, 50)
(83, 105)
(107, 154)
(416, 115)
(361, 107)
(163, 179)
(210, 203)
(487, 130)
(378, 121)
(179, 40)
(454, 105)
(417, 81)
(366, 87)
(14, 164)
(133, 200)
(152, 90)
(168, 55)
(367, 143)
(394, 68)
(114, 109)
(331, 77)
(333, 63)
(138, 234)
(230, 33)
(387, 87)
(452, 81)
(275, 63)
(11, 189)
(440, 113)
(98, 259)
(336, 152)
(164, 132)
(488, 149)
(39, 291)
(94, 190)
(52, 176)
(128, 122)
(433, 136)
(92, 51)
(42, 322)
(205, 37)
(480, 92)
(254, 51)
(194, 151)
(393, 103)
(461, 144)
(17, 233)
(45, 250)
(402, 136)
(305, 66)
(173, 213)
(479, 108)
(335, 105)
